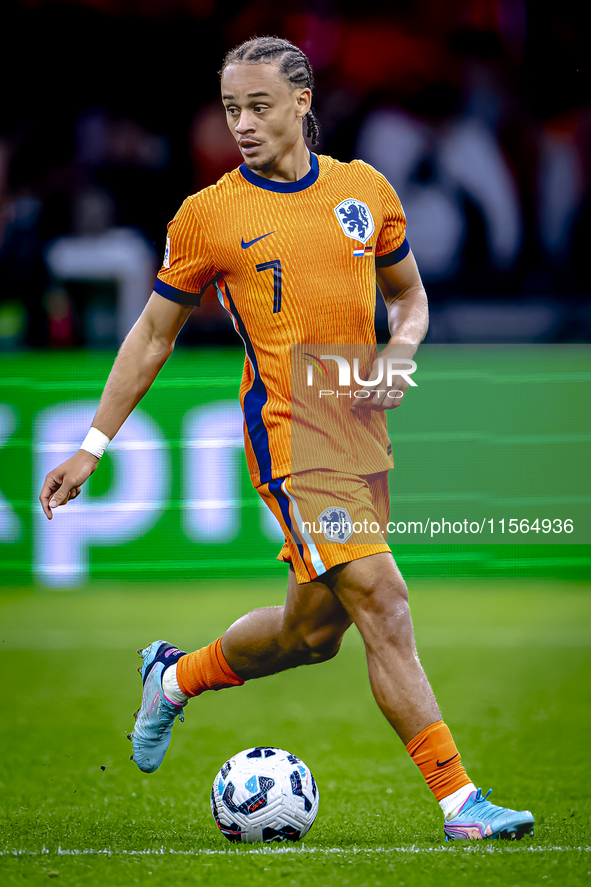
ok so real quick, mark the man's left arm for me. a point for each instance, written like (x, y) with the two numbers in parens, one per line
(408, 321)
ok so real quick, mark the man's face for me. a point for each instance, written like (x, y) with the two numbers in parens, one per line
(263, 112)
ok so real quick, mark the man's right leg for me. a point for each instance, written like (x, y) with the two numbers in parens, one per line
(307, 629)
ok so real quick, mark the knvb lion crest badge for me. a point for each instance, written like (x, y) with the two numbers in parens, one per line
(336, 524)
(355, 219)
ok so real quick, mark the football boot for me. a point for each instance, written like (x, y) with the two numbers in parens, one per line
(477, 818)
(154, 719)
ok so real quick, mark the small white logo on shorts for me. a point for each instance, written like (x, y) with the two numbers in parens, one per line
(336, 524)
(166, 262)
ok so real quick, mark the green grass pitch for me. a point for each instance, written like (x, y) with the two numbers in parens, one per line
(509, 662)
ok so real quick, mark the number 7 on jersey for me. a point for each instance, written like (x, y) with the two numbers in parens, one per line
(275, 264)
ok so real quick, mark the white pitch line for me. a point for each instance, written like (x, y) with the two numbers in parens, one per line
(302, 851)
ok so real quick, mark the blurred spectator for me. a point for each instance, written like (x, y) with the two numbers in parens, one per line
(435, 169)
(561, 187)
(213, 147)
(23, 276)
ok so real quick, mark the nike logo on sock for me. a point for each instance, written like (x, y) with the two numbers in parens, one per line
(443, 763)
(245, 244)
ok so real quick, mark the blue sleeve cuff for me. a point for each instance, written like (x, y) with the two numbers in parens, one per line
(394, 257)
(176, 295)
(181, 296)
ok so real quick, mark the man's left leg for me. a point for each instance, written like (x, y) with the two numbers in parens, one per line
(374, 594)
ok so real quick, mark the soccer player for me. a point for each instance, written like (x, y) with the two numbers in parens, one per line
(293, 242)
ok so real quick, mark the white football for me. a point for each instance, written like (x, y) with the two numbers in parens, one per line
(264, 794)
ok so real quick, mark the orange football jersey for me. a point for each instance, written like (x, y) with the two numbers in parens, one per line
(294, 264)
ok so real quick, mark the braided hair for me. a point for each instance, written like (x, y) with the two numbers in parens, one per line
(294, 67)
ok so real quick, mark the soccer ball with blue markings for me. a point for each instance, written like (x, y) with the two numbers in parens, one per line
(264, 794)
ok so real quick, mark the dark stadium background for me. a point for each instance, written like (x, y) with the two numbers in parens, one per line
(110, 117)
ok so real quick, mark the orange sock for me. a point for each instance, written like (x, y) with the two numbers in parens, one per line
(435, 754)
(206, 669)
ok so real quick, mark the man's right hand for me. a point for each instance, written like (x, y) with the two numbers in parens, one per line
(142, 355)
(64, 483)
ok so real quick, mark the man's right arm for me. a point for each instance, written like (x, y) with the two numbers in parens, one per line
(144, 352)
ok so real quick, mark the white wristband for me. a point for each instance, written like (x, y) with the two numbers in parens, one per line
(95, 442)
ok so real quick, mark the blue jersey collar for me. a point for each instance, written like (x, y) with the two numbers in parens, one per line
(283, 187)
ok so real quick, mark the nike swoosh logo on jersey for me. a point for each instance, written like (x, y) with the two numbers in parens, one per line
(443, 763)
(246, 243)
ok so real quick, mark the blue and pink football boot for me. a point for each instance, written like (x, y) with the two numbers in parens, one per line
(477, 818)
(155, 718)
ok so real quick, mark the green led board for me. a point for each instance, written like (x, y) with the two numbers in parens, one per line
(491, 445)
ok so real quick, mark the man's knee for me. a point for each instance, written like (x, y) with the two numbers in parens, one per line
(309, 645)
(371, 591)
(376, 597)
(323, 644)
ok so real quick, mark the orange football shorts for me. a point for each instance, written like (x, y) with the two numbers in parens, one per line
(328, 518)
